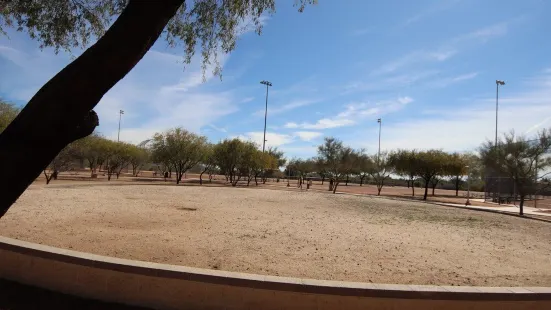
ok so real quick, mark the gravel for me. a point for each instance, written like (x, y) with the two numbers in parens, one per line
(287, 233)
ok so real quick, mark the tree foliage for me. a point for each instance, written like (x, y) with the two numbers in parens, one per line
(178, 148)
(381, 168)
(520, 158)
(8, 111)
(430, 164)
(338, 159)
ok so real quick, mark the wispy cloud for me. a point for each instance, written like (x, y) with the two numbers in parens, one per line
(465, 127)
(353, 113)
(279, 139)
(445, 50)
(308, 135)
(248, 99)
(439, 7)
(446, 81)
(295, 104)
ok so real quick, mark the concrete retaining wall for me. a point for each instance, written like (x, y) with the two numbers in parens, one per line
(177, 287)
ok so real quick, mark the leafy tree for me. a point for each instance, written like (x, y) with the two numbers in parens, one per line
(339, 160)
(61, 162)
(8, 111)
(381, 169)
(208, 162)
(118, 157)
(406, 163)
(365, 166)
(302, 168)
(456, 168)
(430, 164)
(61, 111)
(139, 156)
(321, 168)
(520, 159)
(278, 157)
(236, 159)
(179, 148)
(92, 149)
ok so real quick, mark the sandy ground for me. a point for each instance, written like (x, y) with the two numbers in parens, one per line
(287, 233)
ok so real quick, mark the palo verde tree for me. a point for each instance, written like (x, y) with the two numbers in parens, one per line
(61, 162)
(406, 164)
(430, 164)
(62, 110)
(139, 156)
(338, 159)
(93, 150)
(180, 148)
(208, 162)
(380, 170)
(456, 167)
(521, 160)
(118, 157)
(280, 161)
(365, 166)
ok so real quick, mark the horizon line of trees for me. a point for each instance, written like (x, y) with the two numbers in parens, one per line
(178, 150)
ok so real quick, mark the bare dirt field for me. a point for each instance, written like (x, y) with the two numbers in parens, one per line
(286, 233)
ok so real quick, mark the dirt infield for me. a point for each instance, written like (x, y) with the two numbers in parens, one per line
(291, 233)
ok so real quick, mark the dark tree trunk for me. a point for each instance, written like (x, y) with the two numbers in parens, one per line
(456, 186)
(61, 111)
(408, 183)
(335, 186)
(426, 189)
(362, 180)
(322, 179)
(201, 177)
(412, 188)
(346, 184)
(521, 205)
(433, 187)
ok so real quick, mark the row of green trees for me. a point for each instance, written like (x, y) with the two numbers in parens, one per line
(178, 150)
(339, 163)
(174, 151)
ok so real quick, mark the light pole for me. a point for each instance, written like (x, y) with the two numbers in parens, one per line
(498, 82)
(268, 84)
(121, 112)
(379, 152)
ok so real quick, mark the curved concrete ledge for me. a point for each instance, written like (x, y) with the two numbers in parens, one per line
(176, 287)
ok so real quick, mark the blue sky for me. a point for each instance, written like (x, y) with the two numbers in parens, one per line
(427, 68)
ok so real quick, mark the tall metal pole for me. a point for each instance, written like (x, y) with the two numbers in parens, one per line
(268, 84)
(498, 82)
(379, 152)
(121, 112)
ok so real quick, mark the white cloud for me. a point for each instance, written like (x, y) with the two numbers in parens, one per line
(291, 125)
(446, 50)
(272, 138)
(294, 104)
(432, 10)
(464, 129)
(308, 135)
(248, 99)
(446, 81)
(354, 112)
(327, 123)
(486, 32)
(442, 55)
(156, 95)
